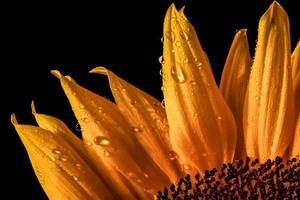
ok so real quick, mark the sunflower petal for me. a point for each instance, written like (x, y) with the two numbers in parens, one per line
(269, 103)
(110, 141)
(202, 128)
(296, 62)
(58, 127)
(147, 116)
(296, 144)
(61, 171)
(234, 83)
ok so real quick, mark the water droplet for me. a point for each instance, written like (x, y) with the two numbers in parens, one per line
(172, 155)
(157, 120)
(162, 103)
(184, 35)
(52, 158)
(162, 39)
(106, 153)
(100, 109)
(81, 106)
(195, 114)
(123, 89)
(199, 64)
(170, 35)
(139, 181)
(186, 167)
(63, 158)
(178, 44)
(172, 88)
(219, 117)
(74, 93)
(161, 72)
(161, 60)
(75, 178)
(77, 127)
(146, 175)
(88, 143)
(56, 151)
(101, 140)
(257, 98)
(85, 120)
(135, 129)
(162, 88)
(193, 82)
(178, 74)
(78, 165)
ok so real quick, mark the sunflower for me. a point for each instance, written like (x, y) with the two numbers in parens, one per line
(235, 138)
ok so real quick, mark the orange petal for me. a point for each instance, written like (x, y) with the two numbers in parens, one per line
(296, 62)
(269, 104)
(202, 128)
(61, 171)
(59, 128)
(234, 84)
(110, 141)
(296, 144)
(146, 115)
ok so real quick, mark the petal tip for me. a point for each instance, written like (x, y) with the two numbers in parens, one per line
(56, 73)
(99, 70)
(33, 110)
(13, 119)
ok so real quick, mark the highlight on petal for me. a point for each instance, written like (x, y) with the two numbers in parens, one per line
(62, 172)
(269, 103)
(296, 143)
(111, 143)
(202, 127)
(296, 62)
(234, 84)
(148, 118)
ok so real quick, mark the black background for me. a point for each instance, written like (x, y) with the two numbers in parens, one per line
(73, 38)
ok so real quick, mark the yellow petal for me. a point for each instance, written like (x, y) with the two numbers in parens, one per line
(234, 84)
(58, 127)
(61, 171)
(296, 142)
(269, 104)
(146, 114)
(110, 141)
(296, 62)
(202, 128)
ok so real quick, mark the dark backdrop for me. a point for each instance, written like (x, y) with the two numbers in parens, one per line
(75, 37)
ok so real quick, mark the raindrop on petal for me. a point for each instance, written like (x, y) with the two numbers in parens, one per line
(101, 140)
(178, 74)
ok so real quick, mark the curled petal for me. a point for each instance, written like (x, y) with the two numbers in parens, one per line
(269, 103)
(147, 116)
(234, 84)
(110, 141)
(62, 172)
(202, 128)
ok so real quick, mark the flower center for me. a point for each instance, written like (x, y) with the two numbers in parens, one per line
(241, 180)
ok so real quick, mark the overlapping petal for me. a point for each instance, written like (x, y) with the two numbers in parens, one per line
(269, 104)
(296, 142)
(111, 142)
(202, 128)
(234, 83)
(62, 172)
(146, 115)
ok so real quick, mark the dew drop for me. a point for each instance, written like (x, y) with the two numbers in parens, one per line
(162, 103)
(162, 39)
(185, 60)
(85, 120)
(170, 35)
(134, 102)
(257, 98)
(219, 117)
(157, 120)
(63, 158)
(100, 109)
(161, 72)
(78, 165)
(81, 106)
(162, 88)
(178, 44)
(172, 155)
(88, 143)
(75, 178)
(178, 74)
(193, 82)
(106, 153)
(56, 151)
(184, 35)
(77, 127)
(101, 140)
(172, 88)
(135, 129)
(199, 64)
(161, 60)
(186, 167)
